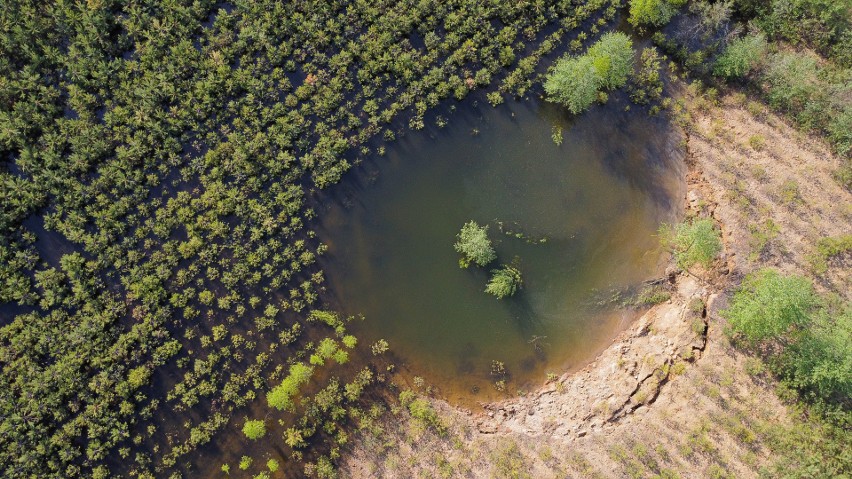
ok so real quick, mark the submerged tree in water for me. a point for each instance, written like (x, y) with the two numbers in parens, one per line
(474, 245)
(254, 429)
(575, 82)
(504, 282)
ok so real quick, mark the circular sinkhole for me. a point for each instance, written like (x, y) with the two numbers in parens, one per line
(579, 220)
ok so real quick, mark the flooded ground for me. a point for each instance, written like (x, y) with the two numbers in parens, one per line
(596, 201)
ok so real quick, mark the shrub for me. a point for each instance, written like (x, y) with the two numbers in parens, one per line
(281, 396)
(823, 24)
(698, 242)
(840, 132)
(504, 282)
(820, 360)
(573, 83)
(420, 409)
(254, 429)
(474, 245)
(653, 295)
(576, 81)
(768, 304)
(653, 12)
(613, 59)
(812, 342)
(646, 85)
(827, 248)
(741, 56)
(793, 81)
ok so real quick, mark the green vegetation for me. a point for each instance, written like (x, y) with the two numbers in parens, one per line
(741, 56)
(769, 304)
(828, 248)
(575, 82)
(474, 245)
(421, 410)
(806, 340)
(812, 339)
(646, 85)
(693, 242)
(157, 161)
(653, 12)
(811, 89)
(158, 164)
(504, 282)
(653, 295)
(254, 429)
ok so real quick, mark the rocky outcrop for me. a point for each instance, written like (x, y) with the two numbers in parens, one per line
(627, 376)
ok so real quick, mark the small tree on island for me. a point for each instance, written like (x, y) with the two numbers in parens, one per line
(504, 282)
(474, 245)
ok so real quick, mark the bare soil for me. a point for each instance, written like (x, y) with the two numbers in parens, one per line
(671, 397)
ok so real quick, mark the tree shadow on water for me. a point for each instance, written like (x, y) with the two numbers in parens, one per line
(529, 324)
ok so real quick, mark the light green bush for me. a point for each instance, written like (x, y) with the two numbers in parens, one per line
(741, 56)
(575, 81)
(768, 304)
(254, 429)
(808, 342)
(653, 12)
(696, 242)
(474, 245)
(504, 282)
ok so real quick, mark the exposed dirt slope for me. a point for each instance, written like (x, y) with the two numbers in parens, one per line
(670, 396)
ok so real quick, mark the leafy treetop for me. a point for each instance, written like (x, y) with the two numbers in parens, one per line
(474, 245)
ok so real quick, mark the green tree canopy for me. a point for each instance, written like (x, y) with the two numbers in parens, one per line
(815, 335)
(613, 58)
(504, 282)
(653, 12)
(575, 81)
(281, 396)
(254, 429)
(474, 245)
(741, 56)
(768, 304)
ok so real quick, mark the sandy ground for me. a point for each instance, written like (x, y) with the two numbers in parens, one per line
(670, 397)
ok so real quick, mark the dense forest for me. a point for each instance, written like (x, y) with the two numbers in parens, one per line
(160, 163)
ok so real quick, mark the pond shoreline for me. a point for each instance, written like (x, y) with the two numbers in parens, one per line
(630, 373)
(642, 400)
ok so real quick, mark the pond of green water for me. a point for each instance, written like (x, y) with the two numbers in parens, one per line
(598, 200)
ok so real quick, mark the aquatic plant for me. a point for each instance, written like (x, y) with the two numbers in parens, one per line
(505, 282)
(254, 429)
(474, 245)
